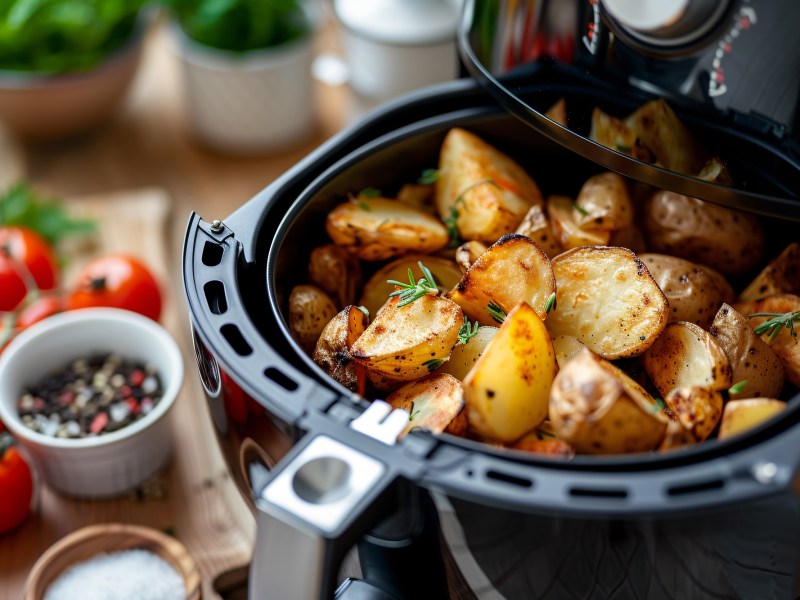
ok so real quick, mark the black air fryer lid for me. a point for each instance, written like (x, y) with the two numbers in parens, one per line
(727, 68)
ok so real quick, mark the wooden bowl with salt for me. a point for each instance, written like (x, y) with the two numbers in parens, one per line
(88, 542)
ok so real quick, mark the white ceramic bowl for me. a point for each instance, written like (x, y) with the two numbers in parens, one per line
(113, 463)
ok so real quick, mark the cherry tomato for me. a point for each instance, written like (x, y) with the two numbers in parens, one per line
(40, 309)
(12, 286)
(16, 486)
(27, 262)
(117, 281)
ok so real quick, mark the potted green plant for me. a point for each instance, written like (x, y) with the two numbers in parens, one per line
(247, 71)
(65, 64)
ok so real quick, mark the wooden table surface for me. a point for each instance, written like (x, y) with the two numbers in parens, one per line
(146, 146)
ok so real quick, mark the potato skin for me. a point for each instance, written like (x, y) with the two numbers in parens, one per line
(432, 402)
(561, 212)
(467, 253)
(697, 408)
(605, 200)
(310, 309)
(536, 226)
(335, 271)
(728, 241)
(780, 276)
(740, 416)
(332, 352)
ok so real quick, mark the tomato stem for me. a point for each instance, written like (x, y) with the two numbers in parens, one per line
(97, 284)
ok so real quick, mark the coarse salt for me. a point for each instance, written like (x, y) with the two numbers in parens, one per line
(126, 575)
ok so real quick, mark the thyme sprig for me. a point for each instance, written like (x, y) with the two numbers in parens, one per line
(428, 176)
(467, 331)
(581, 210)
(413, 290)
(496, 312)
(450, 221)
(778, 321)
(551, 303)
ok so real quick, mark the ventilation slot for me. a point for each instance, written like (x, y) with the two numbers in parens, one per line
(282, 380)
(235, 338)
(596, 493)
(212, 254)
(215, 297)
(512, 479)
(695, 488)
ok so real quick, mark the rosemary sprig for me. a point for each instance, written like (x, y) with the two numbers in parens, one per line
(428, 176)
(413, 290)
(737, 388)
(412, 413)
(551, 303)
(433, 364)
(467, 331)
(369, 192)
(496, 312)
(450, 221)
(581, 210)
(778, 321)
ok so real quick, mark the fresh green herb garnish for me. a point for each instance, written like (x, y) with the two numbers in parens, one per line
(581, 210)
(776, 323)
(370, 192)
(428, 176)
(414, 290)
(452, 229)
(496, 312)
(658, 405)
(737, 388)
(623, 148)
(363, 205)
(433, 364)
(551, 303)
(467, 331)
(412, 413)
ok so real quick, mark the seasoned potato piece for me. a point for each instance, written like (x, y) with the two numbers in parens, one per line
(507, 390)
(566, 348)
(725, 288)
(464, 356)
(607, 299)
(379, 228)
(467, 253)
(335, 271)
(376, 290)
(676, 436)
(740, 416)
(561, 211)
(786, 344)
(692, 294)
(310, 309)
(598, 409)
(685, 355)
(536, 226)
(617, 135)
(408, 342)
(332, 352)
(781, 276)
(751, 359)
(511, 271)
(418, 195)
(604, 203)
(558, 112)
(630, 237)
(699, 409)
(716, 171)
(530, 443)
(489, 192)
(432, 402)
(726, 240)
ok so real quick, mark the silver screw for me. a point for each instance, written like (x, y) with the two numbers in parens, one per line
(765, 472)
(217, 226)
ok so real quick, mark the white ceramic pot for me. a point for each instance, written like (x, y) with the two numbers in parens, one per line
(112, 463)
(248, 102)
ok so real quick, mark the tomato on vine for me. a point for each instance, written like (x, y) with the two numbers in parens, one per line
(27, 263)
(16, 485)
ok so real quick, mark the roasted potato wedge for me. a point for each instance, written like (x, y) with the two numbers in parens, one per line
(685, 355)
(332, 352)
(379, 228)
(376, 290)
(418, 195)
(408, 342)
(433, 403)
(676, 436)
(751, 359)
(566, 348)
(692, 293)
(464, 356)
(781, 276)
(536, 226)
(604, 203)
(716, 171)
(467, 253)
(608, 300)
(615, 134)
(598, 409)
(553, 447)
(335, 271)
(489, 192)
(558, 112)
(698, 409)
(561, 211)
(740, 416)
(511, 271)
(630, 237)
(726, 240)
(310, 309)
(508, 388)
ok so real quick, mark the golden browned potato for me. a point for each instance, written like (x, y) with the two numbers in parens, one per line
(607, 299)
(676, 436)
(335, 271)
(740, 416)
(536, 226)
(310, 309)
(408, 342)
(604, 203)
(781, 276)
(598, 409)
(561, 211)
(566, 348)
(617, 135)
(377, 289)
(558, 112)
(433, 402)
(489, 191)
(418, 195)
(698, 409)
(726, 240)
(467, 253)
(685, 355)
(379, 228)
(529, 443)
(630, 237)
(508, 388)
(332, 352)
(716, 171)
(692, 294)
(751, 359)
(464, 356)
(511, 271)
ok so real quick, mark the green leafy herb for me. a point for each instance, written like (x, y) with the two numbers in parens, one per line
(414, 290)
(496, 312)
(581, 210)
(364, 310)
(433, 364)
(363, 205)
(623, 148)
(370, 192)
(467, 331)
(551, 303)
(412, 413)
(658, 405)
(20, 206)
(737, 388)
(778, 321)
(428, 176)
(452, 229)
